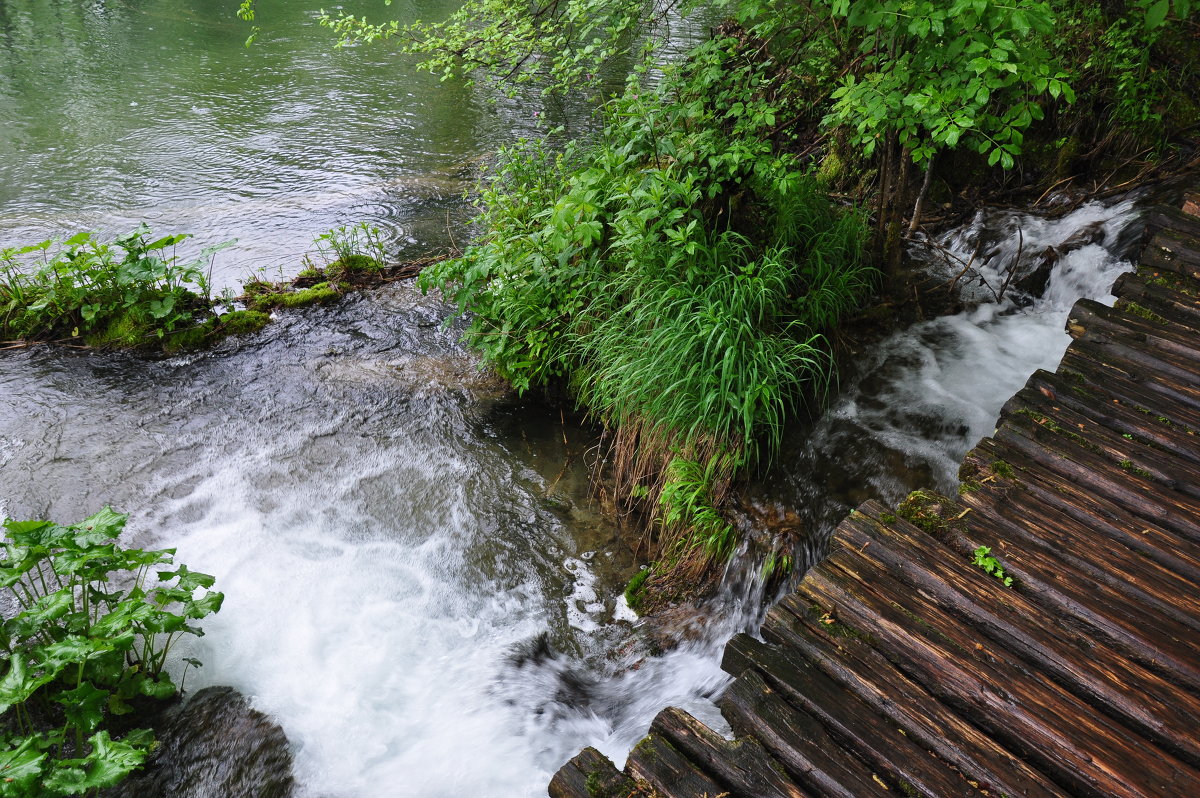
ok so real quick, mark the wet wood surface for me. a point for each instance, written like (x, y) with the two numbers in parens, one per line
(901, 666)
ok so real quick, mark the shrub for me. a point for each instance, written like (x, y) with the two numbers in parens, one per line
(91, 640)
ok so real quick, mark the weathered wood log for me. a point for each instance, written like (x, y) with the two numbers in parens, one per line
(589, 774)
(948, 582)
(1182, 308)
(1096, 361)
(1101, 406)
(1128, 486)
(1052, 543)
(1171, 250)
(1032, 410)
(1079, 747)
(795, 738)
(1042, 417)
(854, 725)
(1104, 517)
(1166, 217)
(849, 659)
(1090, 320)
(670, 773)
(741, 765)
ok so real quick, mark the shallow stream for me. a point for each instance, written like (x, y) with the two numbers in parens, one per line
(418, 587)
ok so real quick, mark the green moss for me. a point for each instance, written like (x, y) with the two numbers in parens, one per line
(633, 591)
(240, 322)
(1133, 469)
(190, 337)
(310, 274)
(1143, 312)
(123, 331)
(887, 518)
(968, 487)
(923, 510)
(1003, 469)
(831, 170)
(321, 292)
(1047, 423)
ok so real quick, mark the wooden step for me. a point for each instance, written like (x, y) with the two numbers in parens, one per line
(1079, 747)
(949, 582)
(742, 766)
(669, 772)
(795, 738)
(855, 726)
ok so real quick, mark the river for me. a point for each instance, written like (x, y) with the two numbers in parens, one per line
(418, 587)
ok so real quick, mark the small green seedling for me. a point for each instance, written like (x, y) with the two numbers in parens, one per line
(985, 560)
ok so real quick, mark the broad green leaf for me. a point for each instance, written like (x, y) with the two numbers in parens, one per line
(1156, 14)
(100, 528)
(20, 767)
(84, 706)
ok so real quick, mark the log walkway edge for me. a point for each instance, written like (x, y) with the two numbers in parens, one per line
(899, 666)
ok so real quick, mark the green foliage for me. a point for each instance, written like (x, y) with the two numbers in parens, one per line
(936, 73)
(677, 273)
(633, 590)
(91, 640)
(688, 506)
(122, 293)
(561, 44)
(990, 565)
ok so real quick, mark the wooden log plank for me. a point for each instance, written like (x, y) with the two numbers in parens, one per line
(1091, 320)
(795, 738)
(741, 765)
(851, 662)
(1090, 511)
(670, 773)
(1162, 217)
(950, 589)
(1171, 649)
(1081, 748)
(1100, 406)
(1182, 308)
(1172, 250)
(1142, 496)
(1032, 409)
(1048, 541)
(1095, 362)
(856, 726)
(590, 774)
(1134, 348)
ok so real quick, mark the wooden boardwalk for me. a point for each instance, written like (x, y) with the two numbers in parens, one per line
(899, 666)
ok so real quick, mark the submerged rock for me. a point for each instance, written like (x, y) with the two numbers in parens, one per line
(214, 745)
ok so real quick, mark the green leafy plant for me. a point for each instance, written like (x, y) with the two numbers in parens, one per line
(937, 73)
(95, 626)
(349, 243)
(990, 565)
(123, 292)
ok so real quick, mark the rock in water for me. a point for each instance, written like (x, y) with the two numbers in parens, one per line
(214, 745)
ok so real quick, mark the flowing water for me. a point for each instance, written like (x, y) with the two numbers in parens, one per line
(418, 587)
